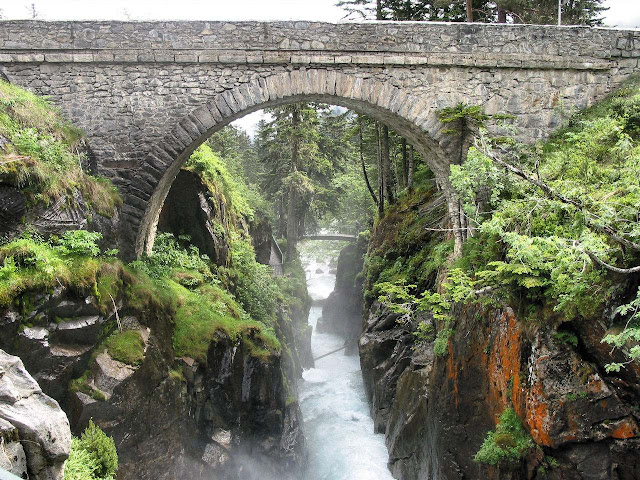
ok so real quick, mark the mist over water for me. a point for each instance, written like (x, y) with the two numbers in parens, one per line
(337, 424)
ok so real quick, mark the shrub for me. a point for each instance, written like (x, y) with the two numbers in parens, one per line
(168, 255)
(103, 450)
(507, 444)
(253, 285)
(92, 457)
(81, 464)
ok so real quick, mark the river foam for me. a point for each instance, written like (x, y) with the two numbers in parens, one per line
(338, 428)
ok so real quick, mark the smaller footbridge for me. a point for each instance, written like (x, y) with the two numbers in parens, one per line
(337, 236)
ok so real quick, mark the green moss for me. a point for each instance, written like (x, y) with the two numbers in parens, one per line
(202, 312)
(29, 264)
(507, 444)
(176, 375)
(42, 158)
(126, 347)
(81, 384)
(215, 175)
(98, 395)
(109, 284)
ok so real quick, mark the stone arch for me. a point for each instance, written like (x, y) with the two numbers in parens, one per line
(410, 115)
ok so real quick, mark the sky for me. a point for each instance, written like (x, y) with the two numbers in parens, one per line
(622, 13)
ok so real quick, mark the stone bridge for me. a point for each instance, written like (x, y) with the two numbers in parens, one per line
(148, 93)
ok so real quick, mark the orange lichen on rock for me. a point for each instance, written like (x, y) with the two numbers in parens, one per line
(538, 415)
(452, 372)
(505, 364)
(627, 428)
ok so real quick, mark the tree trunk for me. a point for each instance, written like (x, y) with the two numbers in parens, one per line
(364, 168)
(282, 218)
(405, 165)
(502, 15)
(380, 173)
(386, 158)
(454, 216)
(470, 11)
(292, 221)
(379, 15)
(410, 169)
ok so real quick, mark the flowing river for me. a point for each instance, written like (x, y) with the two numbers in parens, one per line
(338, 427)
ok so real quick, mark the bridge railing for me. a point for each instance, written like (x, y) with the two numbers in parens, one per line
(331, 237)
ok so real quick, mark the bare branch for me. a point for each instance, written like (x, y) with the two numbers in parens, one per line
(611, 268)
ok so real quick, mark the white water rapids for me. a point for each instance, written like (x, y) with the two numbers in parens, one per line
(337, 424)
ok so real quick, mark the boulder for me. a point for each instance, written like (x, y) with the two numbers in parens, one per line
(12, 456)
(342, 311)
(109, 373)
(42, 427)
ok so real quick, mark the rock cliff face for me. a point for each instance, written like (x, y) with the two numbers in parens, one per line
(190, 208)
(436, 411)
(342, 311)
(34, 431)
(171, 418)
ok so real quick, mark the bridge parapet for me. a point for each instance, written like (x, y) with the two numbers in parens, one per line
(372, 43)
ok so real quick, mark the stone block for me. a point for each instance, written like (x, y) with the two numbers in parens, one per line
(58, 57)
(83, 57)
(80, 330)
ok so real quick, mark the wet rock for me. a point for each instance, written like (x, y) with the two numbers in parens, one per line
(79, 330)
(81, 407)
(13, 207)
(441, 408)
(9, 326)
(71, 308)
(342, 311)
(53, 366)
(42, 427)
(109, 373)
(215, 456)
(190, 208)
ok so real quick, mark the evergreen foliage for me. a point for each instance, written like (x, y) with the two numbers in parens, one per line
(93, 456)
(574, 12)
(507, 444)
(556, 224)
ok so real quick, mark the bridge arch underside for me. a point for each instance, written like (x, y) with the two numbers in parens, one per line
(408, 115)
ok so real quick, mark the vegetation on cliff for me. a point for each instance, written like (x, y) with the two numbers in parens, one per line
(42, 154)
(93, 456)
(561, 235)
(507, 444)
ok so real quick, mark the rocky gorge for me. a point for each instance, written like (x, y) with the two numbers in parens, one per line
(503, 346)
